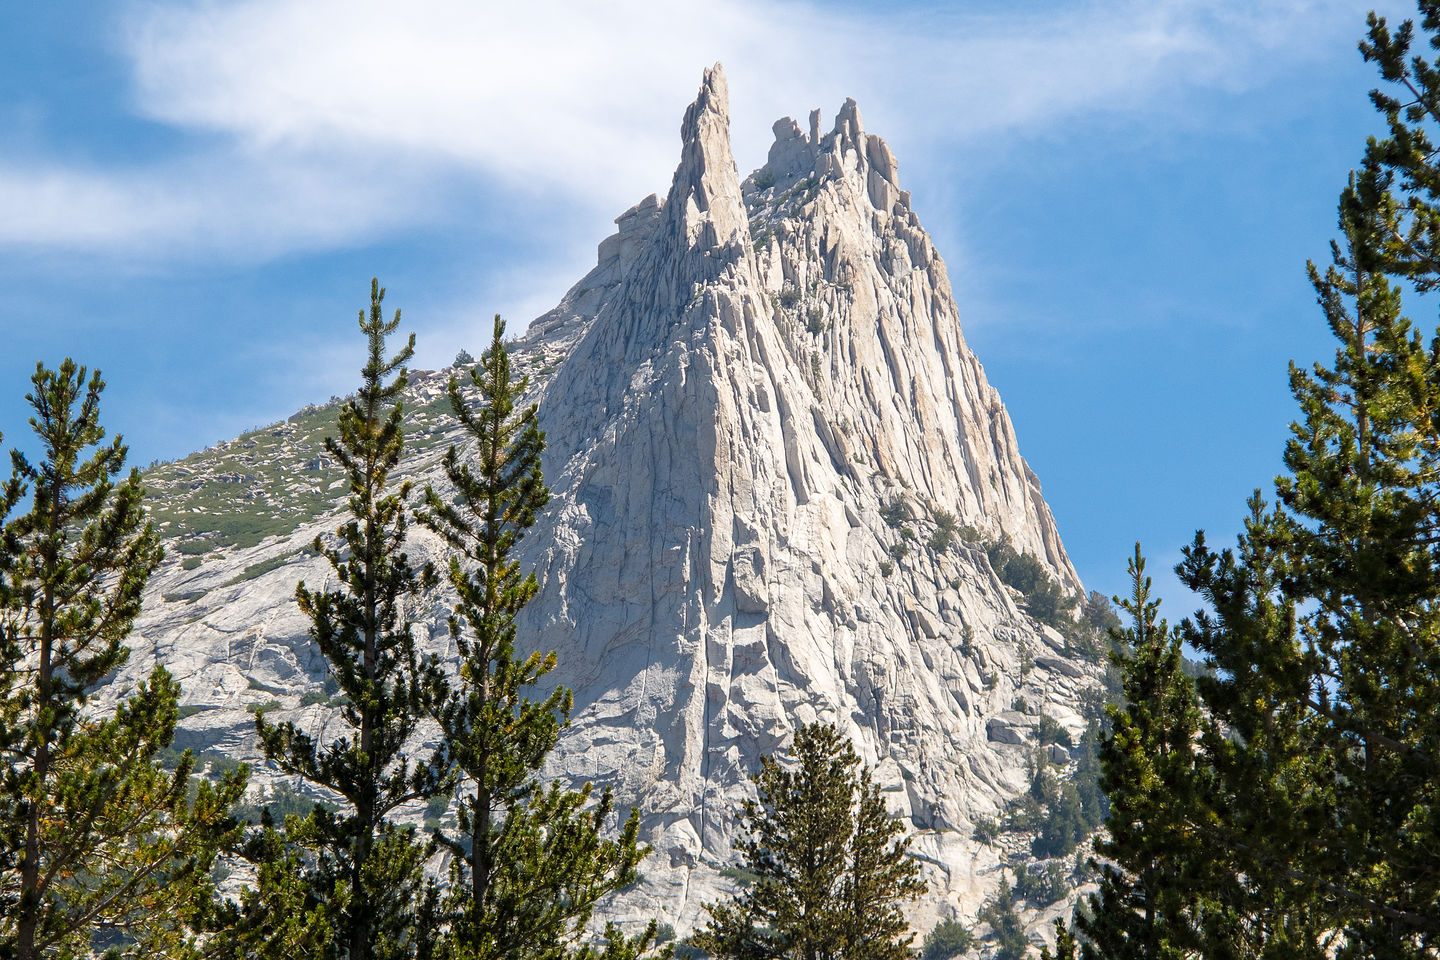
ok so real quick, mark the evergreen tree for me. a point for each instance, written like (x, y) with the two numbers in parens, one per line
(880, 873)
(947, 940)
(1326, 624)
(11, 656)
(1330, 606)
(1098, 614)
(1066, 946)
(1064, 824)
(1045, 600)
(1093, 805)
(102, 847)
(1005, 926)
(530, 862)
(281, 915)
(829, 869)
(1260, 802)
(1360, 514)
(1146, 906)
(1313, 803)
(366, 870)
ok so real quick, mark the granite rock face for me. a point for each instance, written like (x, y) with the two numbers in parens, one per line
(759, 408)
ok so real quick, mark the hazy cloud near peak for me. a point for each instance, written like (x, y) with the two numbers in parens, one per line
(583, 97)
(328, 121)
(243, 207)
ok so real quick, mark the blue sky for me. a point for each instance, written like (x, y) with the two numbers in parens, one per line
(193, 197)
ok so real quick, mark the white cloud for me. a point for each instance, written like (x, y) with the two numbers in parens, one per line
(77, 208)
(1007, 75)
(251, 207)
(331, 122)
(541, 95)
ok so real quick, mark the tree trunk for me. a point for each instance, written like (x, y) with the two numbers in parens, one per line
(30, 906)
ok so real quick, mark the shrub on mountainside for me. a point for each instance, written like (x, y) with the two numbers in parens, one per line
(946, 940)
(1045, 600)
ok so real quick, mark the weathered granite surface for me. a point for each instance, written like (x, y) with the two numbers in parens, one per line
(751, 372)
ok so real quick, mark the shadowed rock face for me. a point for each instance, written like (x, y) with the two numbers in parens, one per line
(751, 372)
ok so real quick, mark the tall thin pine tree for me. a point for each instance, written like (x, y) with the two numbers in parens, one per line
(367, 870)
(104, 848)
(12, 828)
(1325, 623)
(1317, 795)
(530, 863)
(1327, 628)
(1146, 907)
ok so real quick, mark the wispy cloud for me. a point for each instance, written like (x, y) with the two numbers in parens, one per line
(239, 203)
(319, 124)
(1002, 75)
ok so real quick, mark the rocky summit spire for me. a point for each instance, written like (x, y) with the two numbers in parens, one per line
(705, 193)
(696, 242)
(773, 463)
(755, 439)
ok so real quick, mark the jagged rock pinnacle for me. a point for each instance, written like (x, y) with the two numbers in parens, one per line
(780, 359)
(761, 415)
(705, 193)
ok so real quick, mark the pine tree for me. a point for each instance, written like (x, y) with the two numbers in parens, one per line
(948, 939)
(1146, 906)
(1260, 798)
(11, 658)
(1330, 607)
(1093, 805)
(1326, 625)
(880, 874)
(530, 862)
(1361, 520)
(830, 871)
(1314, 801)
(282, 914)
(1066, 946)
(367, 870)
(1005, 925)
(103, 847)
